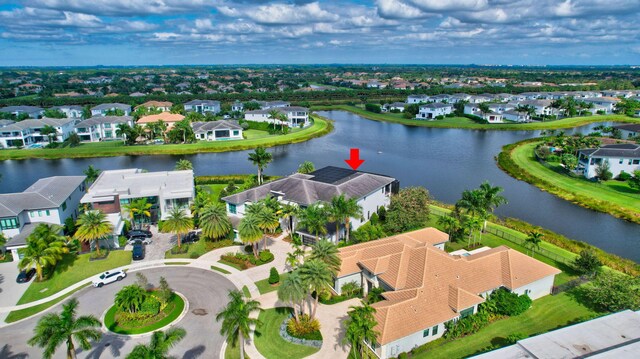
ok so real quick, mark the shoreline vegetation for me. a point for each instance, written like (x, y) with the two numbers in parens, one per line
(466, 123)
(321, 126)
(518, 160)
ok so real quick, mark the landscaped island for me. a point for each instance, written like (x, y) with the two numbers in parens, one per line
(467, 123)
(612, 197)
(320, 127)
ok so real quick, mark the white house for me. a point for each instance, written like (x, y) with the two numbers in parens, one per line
(396, 106)
(425, 287)
(164, 106)
(217, 130)
(103, 109)
(516, 116)
(542, 107)
(202, 106)
(371, 192)
(29, 132)
(629, 130)
(605, 104)
(31, 111)
(50, 200)
(432, 110)
(71, 111)
(417, 99)
(621, 157)
(101, 128)
(296, 116)
(491, 116)
(237, 106)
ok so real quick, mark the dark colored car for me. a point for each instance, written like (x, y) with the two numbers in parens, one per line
(138, 251)
(139, 233)
(191, 237)
(25, 276)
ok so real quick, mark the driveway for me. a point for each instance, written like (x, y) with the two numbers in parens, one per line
(202, 341)
(160, 243)
(10, 291)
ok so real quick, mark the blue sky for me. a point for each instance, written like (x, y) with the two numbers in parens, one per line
(159, 32)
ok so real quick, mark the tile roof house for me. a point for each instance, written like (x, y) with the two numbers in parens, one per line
(425, 287)
(370, 190)
(29, 132)
(101, 128)
(49, 200)
(217, 130)
(621, 157)
(158, 105)
(169, 118)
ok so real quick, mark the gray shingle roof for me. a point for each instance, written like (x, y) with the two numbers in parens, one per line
(304, 190)
(629, 127)
(28, 109)
(6, 122)
(620, 150)
(48, 192)
(436, 105)
(215, 125)
(202, 102)
(96, 120)
(37, 123)
(108, 106)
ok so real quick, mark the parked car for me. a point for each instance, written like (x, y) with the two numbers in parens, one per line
(191, 237)
(138, 251)
(109, 277)
(25, 275)
(139, 233)
(141, 239)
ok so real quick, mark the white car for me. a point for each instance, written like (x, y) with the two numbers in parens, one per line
(144, 240)
(109, 277)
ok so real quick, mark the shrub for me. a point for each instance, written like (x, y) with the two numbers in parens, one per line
(164, 292)
(513, 338)
(265, 256)
(372, 107)
(150, 306)
(306, 328)
(194, 255)
(613, 292)
(624, 176)
(509, 303)
(374, 219)
(350, 289)
(274, 277)
(587, 262)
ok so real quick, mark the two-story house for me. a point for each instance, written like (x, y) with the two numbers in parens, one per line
(101, 128)
(31, 111)
(164, 106)
(621, 157)
(202, 106)
(105, 108)
(432, 110)
(29, 132)
(71, 111)
(50, 200)
(296, 116)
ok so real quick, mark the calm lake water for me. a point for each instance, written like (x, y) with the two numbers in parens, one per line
(445, 161)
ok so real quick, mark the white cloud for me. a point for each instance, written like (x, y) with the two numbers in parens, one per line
(282, 14)
(396, 9)
(124, 7)
(449, 5)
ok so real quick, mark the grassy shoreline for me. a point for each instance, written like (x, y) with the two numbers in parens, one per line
(320, 127)
(518, 161)
(465, 123)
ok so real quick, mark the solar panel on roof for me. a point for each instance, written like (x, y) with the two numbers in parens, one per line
(331, 174)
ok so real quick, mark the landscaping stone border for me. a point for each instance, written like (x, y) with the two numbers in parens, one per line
(310, 343)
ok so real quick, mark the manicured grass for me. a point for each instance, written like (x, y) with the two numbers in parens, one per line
(269, 342)
(233, 352)
(546, 314)
(264, 286)
(213, 190)
(221, 270)
(319, 128)
(195, 250)
(519, 161)
(246, 291)
(465, 123)
(72, 269)
(177, 264)
(169, 314)
(27, 312)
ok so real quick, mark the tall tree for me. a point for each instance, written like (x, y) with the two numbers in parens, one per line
(183, 165)
(49, 131)
(55, 329)
(130, 298)
(289, 211)
(214, 221)
(533, 241)
(45, 247)
(236, 318)
(250, 232)
(342, 210)
(260, 158)
(161, 343)
(267, 219)
(359, 327)
(449, 223)
(326, 252)
(123, 130)
(293, 290)
(306, 167)
(314, 219)
(92, 227)
(409, 209)
(318, 277)
(178, 223)
(490, 198)
(138, 209)
(92, 173)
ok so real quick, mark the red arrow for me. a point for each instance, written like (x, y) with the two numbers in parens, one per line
(355, 160)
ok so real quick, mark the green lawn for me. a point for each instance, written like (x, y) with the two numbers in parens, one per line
(319, 128)
(27, 312)
(71, 270)
(265, 287)
(246, 291)
(463, 122)
(231, 264)
(195, 250)
(233, 352)
(269, 342)
(612, 197)
(221, 270)
(213, 190)
(546, 314)
(170, 313)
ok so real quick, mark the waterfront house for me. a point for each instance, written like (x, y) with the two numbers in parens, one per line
(541, 107)
(417, 99)
(29, 132)
(621, 157)
(202, 106)
(516, 116)
(71, 111)
(371, 191)
(296, 116)
(490, 117)
(101, 128)
(217, 130)
(49, 200)
(169, 118)
(103, 109)
(603, 104)
(31, 111)
(165, 190)
(396, 106)
(164, 106)
(432, 110)
(630, 130)
(425, 287)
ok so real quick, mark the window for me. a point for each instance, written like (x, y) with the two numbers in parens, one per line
(434, 330)
(236, 133)
(9, 223)
(636, 162)
(32, 214)
(48, 212)
(425, 333)
(467, 312)
(64, 206)
(232, 208)
(629, 161)
(620, 161)
(39, 213)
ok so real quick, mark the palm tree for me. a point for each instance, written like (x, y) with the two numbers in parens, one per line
(93, 226)
(178, 222)
(471, 224)
(318, 276)
(261, 159)
(183, 165)
(274, 115)
(288, 211)
(250, 232)
(342, 210)
(360, 327)
(236, 318)
(314, 219)
(326, 252)
(306, 167)
(533, 241)
(130, 298)
(45, 247)
(449, 223)
(92, 173)
(123, 130)
(55, 329)
(49, 131)
(266, 217)
(138, 208)
(293, 290)
(490, 198)
(471, 201)
(214, 221)
(159, 346)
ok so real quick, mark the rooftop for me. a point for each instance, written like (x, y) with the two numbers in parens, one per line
(109, 106)
(97, 120)
(165, 116)
(215, 125)
(618, 150)
(45, 193)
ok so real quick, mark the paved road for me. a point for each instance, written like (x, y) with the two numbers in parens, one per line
(203, 289)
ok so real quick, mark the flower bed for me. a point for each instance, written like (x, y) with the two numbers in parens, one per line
(244, 261)
(314, 343)
(113, 319)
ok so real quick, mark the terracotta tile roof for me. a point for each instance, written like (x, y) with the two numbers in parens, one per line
(431, 286)
(165, 116)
